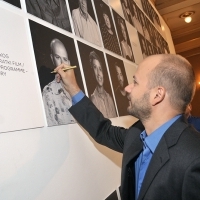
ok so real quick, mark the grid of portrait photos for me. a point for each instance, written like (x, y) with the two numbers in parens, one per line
(147, 22)
(100, 41)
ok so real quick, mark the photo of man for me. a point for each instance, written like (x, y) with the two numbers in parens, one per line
(54, 12)
(145, 6)
(52, 49)
(156, 20)
(135, 15)
(14, 2)
(123, 37)
(150, 50)
(107, 29)
(165, 46)
(143, 47)
(84, 22)
(151, 29)
(97, 81)
(143, 22)
(119, 81)
(56, 99)
(126, 10)
(157, 37)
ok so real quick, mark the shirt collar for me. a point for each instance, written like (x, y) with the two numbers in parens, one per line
(153, 139)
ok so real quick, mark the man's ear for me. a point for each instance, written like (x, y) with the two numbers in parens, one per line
(158, 95)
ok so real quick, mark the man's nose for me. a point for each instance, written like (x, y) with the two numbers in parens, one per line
(128, 88)
(65, 61)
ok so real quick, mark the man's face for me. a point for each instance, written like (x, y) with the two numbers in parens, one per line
(120, 77)
(83, 6)
(98, 72)
(125, 3)
(59, 55)
(139, 94)
(107, 21)
(123, 31)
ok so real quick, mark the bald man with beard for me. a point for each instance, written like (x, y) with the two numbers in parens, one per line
(56, 99)
(161, 152)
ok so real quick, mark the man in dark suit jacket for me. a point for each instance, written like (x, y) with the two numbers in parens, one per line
(161, 152)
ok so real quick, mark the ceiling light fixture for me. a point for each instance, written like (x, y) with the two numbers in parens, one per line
(187, 16)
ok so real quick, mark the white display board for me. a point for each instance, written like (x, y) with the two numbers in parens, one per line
(20, 103)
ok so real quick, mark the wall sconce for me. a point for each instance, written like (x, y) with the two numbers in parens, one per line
(187, 16)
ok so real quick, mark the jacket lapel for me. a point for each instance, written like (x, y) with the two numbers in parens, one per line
(161, 154)
(160, 157)
(133, 149)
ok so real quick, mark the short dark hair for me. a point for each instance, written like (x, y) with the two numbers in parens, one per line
(103, 9)
(176, 75)
(93, 56)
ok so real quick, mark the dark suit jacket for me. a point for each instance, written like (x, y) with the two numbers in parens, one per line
(174, 170)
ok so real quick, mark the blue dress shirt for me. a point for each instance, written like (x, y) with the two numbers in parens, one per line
(149, 145)
(76, 98)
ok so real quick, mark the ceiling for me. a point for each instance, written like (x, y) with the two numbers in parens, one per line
(186, 37)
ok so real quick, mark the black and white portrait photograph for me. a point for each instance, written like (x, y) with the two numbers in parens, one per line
(119, 82)
(13, 2)
(150, 50)
(151, 11)
(135, 45)
(160, 42)
(147, 8)
(52, 49)
(156, 34)
(97, 80)
(156, 50)
(127, 11)
(156, 20)
(84, 21)
(165, 46)
(143, 22)
(142, 41)
(54, 12)
(123, 37)
(107, 28)
(135, 15)
(151, 29)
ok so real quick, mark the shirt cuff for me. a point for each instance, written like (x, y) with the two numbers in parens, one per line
(76, 98)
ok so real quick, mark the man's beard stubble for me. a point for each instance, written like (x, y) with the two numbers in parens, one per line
(141, 108)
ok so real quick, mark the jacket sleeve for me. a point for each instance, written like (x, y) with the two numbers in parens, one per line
(100, 128)
(191, 183)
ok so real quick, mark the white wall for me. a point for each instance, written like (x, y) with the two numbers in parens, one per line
(58, 163)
